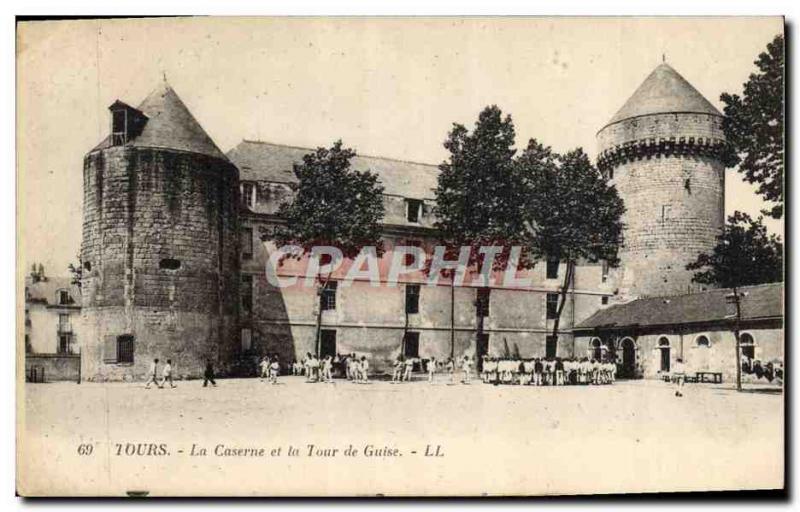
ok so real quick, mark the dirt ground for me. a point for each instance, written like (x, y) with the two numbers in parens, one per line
(407, 439)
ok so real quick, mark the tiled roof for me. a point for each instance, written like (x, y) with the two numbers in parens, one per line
(664, 91)
(264, 161)
(761, 301)
(44, 292)
(170, 125)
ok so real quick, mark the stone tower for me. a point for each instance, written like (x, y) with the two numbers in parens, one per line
(159, 252)
(661, 150)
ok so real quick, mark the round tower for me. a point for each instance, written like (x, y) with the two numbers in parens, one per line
(159, 251)
(662, 152)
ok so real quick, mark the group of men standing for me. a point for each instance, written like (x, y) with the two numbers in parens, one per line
(553, 371)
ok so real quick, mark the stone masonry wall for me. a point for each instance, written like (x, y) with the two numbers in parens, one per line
(160, 253)
(674, 202)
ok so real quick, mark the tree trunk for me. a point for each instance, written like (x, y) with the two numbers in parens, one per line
(568, 275)
(320, 294)
(452, 318)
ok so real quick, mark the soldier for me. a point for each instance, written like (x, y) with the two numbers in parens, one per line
(153, 375)
(166, 375)
(209, 374)
(274, 370)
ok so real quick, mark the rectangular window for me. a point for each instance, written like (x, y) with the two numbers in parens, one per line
(604, 270)
(118, 127)
(413, 210)
(412, 299)
(249, 194)
(247, 243)
(328, 297)
(63, 322)
(247, 340)
(411, 345)
(552, 305)
(247, 294)
(551, 346)
(604, 300)
(482, 302)
(552, 269)
(327, 345)
(125, 349)
(63, 344)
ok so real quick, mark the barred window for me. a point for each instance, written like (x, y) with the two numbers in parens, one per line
(247, 294)
(125, 349)
(328, 296)
(247, 243)
(482, 302)
(552, 305)
(412, 298)
(249, 197)
(552, 269)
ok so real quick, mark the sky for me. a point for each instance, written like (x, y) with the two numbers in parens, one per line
(386, 86)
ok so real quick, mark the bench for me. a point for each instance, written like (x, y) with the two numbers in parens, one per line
(715, 377)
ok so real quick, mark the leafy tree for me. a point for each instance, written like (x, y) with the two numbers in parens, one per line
(572, 212)
(333, 205)
(744, 255)
(753, 126)
(77, 272)
(480, 194)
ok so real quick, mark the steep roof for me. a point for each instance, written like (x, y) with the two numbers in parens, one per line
(664, 91)
(264, 161)
(761, 301)
(170, 125)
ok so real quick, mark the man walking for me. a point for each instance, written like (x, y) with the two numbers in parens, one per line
(209, 374)
(166, 375)
(153, 374)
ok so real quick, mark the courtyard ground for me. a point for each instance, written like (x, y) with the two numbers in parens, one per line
(409, 439)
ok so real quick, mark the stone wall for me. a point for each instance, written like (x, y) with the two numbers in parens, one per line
(371, 320)
(56, 367)
(719, 356)
(674, 198)
(160, 253)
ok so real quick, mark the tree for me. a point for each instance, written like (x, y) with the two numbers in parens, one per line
(753, 126)
(573, 214)
(77, 272)
(480, 195)
(744, 255)
(333, 205)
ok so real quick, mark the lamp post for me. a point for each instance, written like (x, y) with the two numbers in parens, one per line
(735, 298)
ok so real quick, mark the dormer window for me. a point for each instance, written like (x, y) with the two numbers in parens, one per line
(249, 193)
(126, 123)
(413, 210)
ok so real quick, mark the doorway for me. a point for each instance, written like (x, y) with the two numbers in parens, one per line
(327, 343)
(627, 368)
(481, 349)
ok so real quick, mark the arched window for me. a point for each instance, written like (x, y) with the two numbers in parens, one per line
(664, 360)
(703, 341)
(748, 345)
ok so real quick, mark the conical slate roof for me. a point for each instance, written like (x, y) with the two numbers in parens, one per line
(170, 125)
(665, 91)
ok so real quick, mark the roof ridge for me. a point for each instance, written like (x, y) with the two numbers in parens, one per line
(363, 155)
